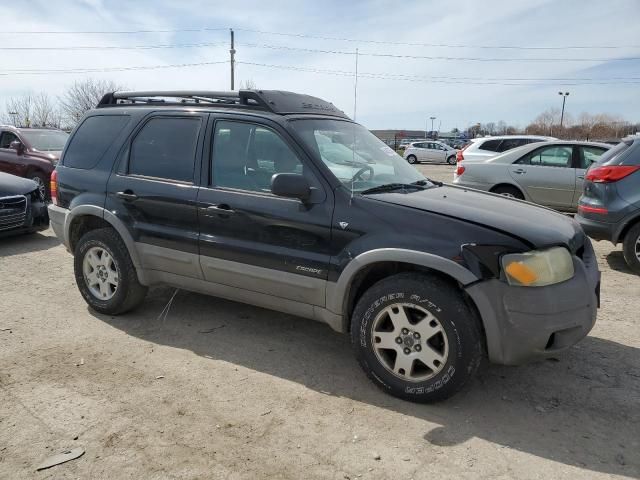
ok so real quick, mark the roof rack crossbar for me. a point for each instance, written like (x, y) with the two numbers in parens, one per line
(243, 98)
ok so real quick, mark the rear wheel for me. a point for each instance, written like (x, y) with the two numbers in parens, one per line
(105, 274)
(631, 248)
(416, 338)
(412, 159)
(508, 191)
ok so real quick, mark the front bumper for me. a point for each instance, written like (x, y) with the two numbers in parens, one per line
(34, 219)
(529, 323)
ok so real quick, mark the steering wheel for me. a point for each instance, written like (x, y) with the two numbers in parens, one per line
(359, 173)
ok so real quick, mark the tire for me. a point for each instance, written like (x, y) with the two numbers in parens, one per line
(451, 160)
(128, 292)
(508, 191)
(457, 337)
(412, 159)
(631, 248)
(40, 179)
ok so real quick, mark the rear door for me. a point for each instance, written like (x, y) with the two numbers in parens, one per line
(153, 191)
(420, 151)
(249, 238)
(547, 175)
(587, 155)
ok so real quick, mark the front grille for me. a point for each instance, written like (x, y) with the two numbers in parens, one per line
(13, 211)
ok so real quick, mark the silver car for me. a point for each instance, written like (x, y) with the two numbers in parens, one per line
(430, 151)
(549, 173)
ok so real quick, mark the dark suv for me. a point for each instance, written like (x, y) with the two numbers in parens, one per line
(280, 200)
(31, 153)
(609, 208)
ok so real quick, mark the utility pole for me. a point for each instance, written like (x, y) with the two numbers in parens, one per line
(564, 98)
(432, 119)
(355, 89)
(232, 52)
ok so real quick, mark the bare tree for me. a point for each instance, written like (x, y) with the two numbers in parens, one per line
(248, 84)
(19, 111)
(85, 95)
(45, 112)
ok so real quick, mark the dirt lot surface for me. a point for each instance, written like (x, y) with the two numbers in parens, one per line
(216, 389)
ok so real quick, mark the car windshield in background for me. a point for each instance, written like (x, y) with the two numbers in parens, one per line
(354, 155)
(46, 140)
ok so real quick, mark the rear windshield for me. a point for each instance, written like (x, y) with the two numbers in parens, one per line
(621, 153)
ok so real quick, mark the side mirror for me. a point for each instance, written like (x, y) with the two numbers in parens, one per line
(291, 185)
(18, 146)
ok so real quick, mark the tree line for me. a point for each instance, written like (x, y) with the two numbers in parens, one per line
(64, 111)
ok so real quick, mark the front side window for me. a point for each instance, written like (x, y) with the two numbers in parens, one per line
(166, 148)
(363, 161)
(6, 138)
(559, 156)
(246, 156)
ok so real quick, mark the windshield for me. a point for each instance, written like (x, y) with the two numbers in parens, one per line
(46, 140)
(354, 155)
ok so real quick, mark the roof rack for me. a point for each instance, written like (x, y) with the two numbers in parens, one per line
(274, 101)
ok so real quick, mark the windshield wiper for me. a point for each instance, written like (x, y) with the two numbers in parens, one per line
(389, 187)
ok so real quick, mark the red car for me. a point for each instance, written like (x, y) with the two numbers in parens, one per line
(31, 153)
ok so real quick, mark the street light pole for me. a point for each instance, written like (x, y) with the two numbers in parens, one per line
(564, 98)
(432, 119)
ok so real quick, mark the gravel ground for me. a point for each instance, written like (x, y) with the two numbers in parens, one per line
(216, 389)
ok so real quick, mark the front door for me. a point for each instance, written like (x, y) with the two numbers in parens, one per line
(249, 238)
(9, 161)
(547, 175)
(154, 194)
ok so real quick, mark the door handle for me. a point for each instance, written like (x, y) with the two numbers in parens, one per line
(127, 195)
(581, 177)
(222, 209)
(520, 171)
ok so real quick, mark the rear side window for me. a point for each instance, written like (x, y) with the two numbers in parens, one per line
(490, 145)
(93, 138)
(622, 153)
(510, 143)
(166, 148)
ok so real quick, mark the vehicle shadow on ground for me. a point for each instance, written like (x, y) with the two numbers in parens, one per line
(582, 409)
(26, 243)
(616, 261)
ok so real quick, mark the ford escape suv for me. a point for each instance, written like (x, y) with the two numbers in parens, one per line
(279, 200)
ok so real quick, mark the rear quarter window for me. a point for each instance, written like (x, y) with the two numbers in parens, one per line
(490, 145)
(92, 139)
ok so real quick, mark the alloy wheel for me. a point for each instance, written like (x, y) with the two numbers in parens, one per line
(409, 342)
(100, 273)
(41, 187)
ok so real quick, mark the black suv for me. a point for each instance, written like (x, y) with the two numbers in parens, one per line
(280, 200)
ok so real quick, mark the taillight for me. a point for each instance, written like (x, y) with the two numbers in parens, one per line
(459, 156)
(460, 169)
(611, 173)
(53, 186)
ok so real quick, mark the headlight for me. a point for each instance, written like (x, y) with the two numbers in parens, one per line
(538, 268)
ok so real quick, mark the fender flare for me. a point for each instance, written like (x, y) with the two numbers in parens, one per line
(338, 293)
(114, 221)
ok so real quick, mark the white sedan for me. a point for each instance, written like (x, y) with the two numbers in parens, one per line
(548, 173)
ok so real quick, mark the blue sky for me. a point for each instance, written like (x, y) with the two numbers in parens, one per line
(382, 102)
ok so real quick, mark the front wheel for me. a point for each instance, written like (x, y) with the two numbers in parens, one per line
(451, 160)
(412, 159)
(631, 248)
(416, 338)
(105, 274)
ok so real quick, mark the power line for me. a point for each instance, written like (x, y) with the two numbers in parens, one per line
(106, 69)
(118, 47)
(110, 32)
(430, 57)
(444, 80)
(443, 45)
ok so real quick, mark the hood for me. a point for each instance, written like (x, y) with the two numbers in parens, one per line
(538, 226)
(52, 156)
(12, 185)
